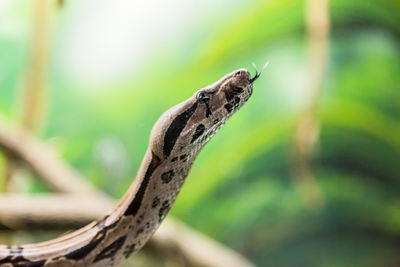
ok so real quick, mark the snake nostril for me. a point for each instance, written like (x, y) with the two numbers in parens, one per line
(241, 73)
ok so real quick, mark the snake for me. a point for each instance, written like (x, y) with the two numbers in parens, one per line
(175, 141)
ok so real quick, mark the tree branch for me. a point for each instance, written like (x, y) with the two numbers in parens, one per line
(50, 211)
(308, 127)
(65, 211)
(44, 162)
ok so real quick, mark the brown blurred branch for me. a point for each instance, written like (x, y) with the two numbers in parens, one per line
(307, 133)
(173, 239)
(9, 166)
(33, 98)
(50, 211)
(33, 93)
(43, 161)
(318, 24)
(85, 203)
(63, 211)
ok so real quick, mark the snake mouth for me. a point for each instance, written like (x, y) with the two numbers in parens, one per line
(258, 73)
(251, 80)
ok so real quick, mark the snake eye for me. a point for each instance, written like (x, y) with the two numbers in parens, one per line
(202, 96)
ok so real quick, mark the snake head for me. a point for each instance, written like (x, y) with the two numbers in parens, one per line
(226, 95)
(187, 127)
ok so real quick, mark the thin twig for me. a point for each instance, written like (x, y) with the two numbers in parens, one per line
(33, 93)
(33, 99)
(307, 132)
(44, 162)
(50, 211)
(9, 166)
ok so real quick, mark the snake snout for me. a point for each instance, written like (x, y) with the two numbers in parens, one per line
(242, 73)
(251, 80)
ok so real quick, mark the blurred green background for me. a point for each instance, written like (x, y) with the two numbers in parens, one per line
(114, 66)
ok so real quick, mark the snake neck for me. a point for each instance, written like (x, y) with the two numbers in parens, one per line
(151, 196)
(143, 208)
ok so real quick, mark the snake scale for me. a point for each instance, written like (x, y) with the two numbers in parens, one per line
(175, 140)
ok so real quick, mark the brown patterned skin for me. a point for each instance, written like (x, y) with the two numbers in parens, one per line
(175, 140)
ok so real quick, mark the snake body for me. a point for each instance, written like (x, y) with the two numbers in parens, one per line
(175, 141)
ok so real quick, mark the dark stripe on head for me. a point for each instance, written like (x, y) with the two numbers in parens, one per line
(198, 132)
(208, 110)
(137, 201)
(110, 250)
(230, 94)
(176, 127)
